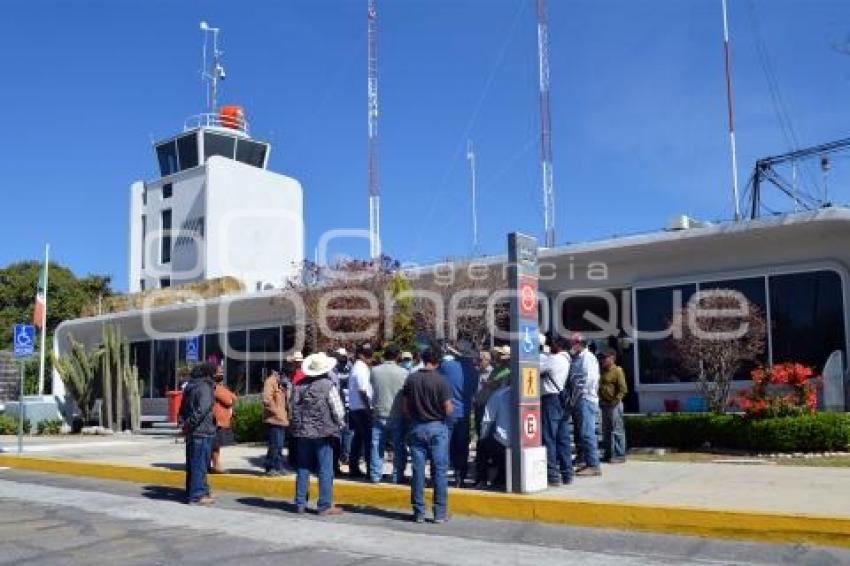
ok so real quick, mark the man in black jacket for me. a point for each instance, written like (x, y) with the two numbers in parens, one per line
(199, 426)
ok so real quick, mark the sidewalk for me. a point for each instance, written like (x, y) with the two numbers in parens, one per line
(660, 496)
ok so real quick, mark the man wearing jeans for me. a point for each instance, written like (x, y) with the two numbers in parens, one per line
(360, 414)
(554, 371)
(196, 410)
(317, 415)
(462, 377)
(584, 375)
(387, 421)
(276, 419)
(612, 389)
(427, 400)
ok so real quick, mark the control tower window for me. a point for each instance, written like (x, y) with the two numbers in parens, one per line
(166, 153)
(187, 148)
(251, 152)
(215, 144)
(165, 237)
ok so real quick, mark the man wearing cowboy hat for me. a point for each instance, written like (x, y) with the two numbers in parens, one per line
(317, 416)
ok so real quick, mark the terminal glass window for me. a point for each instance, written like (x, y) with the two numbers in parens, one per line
(164, 367)
(187, 148)
(807, 315)
(215, 144)
(655, 309)
(212, 350)
(265, 353)
(166, 154)
(140, 356)
(251, 152)
(236, 362)
(753, 289)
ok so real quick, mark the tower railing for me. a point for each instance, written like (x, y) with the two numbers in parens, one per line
(216, 120)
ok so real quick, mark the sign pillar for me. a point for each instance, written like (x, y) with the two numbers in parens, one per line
(23, 344)
(527, 471)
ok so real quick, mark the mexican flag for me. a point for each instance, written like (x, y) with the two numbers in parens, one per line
(40, 300)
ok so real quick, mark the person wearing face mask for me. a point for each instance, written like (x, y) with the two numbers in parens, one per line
(584, 375)
(406, 361)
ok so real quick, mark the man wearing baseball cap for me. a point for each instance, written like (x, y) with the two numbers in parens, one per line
(584, 375)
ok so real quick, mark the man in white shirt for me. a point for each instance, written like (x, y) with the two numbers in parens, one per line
(554, 371)
(360, 415)
(584, 375)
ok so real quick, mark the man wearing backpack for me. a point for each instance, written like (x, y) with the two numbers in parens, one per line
(196, 411)
(554, 395)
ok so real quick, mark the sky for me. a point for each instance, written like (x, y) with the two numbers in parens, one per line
(639, 130)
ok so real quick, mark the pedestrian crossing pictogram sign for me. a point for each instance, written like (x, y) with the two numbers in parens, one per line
(530, 382)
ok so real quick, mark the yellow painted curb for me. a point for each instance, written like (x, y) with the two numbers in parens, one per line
(744, 525)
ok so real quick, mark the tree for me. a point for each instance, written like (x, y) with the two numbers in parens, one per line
(68, 295)
(404, 333)
(713, 337)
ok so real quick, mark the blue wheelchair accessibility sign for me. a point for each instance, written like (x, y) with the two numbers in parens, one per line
(24, 340)
(192, 349)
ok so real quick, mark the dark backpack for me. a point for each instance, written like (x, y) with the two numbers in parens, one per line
(569, 395)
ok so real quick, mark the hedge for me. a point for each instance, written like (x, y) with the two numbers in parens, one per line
(248, 421)
(9, 425)
(808, 433)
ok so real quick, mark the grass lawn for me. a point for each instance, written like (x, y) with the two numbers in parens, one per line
(708, 457)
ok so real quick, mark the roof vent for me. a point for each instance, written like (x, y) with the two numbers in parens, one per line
(684, 222)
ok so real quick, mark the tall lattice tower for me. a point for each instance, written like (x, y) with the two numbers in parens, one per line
(374, 192)
(545, 125)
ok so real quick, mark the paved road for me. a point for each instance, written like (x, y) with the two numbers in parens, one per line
(47, 519)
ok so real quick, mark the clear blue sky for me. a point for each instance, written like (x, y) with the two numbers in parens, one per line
(638, 107)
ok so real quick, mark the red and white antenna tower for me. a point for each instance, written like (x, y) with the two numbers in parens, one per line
(545, 125)
(374, 193)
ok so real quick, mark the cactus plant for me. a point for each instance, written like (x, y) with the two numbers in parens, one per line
(78, 371)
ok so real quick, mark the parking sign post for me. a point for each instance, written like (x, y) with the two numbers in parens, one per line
(23, 343)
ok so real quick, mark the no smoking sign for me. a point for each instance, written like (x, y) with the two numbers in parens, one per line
(527, 296)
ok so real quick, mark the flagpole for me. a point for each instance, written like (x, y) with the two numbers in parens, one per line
(44, 320)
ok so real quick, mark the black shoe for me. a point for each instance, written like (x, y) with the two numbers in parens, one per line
(555, 482)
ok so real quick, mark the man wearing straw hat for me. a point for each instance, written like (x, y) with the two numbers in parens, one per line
(317, 416)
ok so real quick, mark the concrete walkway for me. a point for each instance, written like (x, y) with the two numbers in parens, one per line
(740, 487)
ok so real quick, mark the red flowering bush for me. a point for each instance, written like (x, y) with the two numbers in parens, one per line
(782, 390)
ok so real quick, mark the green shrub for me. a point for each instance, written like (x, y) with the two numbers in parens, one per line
(9, 425)
(804, 433)
(248, 421)
(49, 426)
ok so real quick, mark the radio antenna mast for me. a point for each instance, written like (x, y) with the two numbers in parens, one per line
(372, 85)
(212, 72)
(545, 125)
(470, 155)
(727, 54)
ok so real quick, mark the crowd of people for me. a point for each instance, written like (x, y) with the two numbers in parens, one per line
(341, 415)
